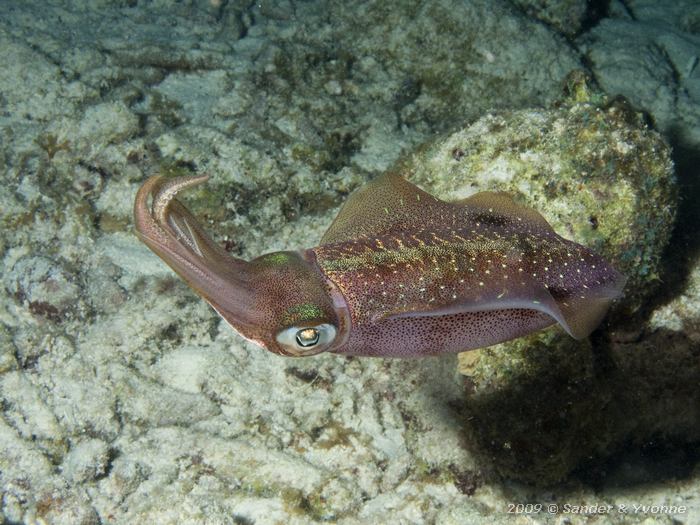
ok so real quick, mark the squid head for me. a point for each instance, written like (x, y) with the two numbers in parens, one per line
(279, 300)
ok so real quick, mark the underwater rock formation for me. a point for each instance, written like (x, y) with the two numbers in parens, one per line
(539, 406)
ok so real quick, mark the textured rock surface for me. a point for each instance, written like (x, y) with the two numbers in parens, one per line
(566, 16)
(664, 78)
(124, 398)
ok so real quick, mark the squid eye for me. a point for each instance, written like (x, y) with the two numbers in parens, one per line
(307, 337)
(307, 340)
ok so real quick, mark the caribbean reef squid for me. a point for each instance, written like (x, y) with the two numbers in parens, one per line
(399, 273)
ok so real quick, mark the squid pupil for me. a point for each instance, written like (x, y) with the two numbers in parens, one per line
(307, 337)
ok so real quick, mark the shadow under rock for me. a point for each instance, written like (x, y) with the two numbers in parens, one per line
(654, 462)
(579, 412)
(683, 249)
